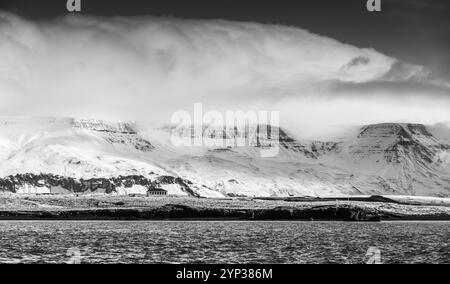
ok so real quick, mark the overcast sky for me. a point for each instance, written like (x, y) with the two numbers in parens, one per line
(326, 62)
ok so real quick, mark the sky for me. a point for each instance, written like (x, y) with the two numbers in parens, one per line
(322, 64)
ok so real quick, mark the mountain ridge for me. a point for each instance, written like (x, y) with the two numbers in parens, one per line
(387, 158)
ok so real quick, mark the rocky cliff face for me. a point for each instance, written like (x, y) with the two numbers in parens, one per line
(115, 133)
(102, 126)
(258, 136)
(400, 141)
(403, 158)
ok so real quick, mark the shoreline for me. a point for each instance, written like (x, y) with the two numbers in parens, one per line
(32, 219)
(195, 214)
(126, 208)
(218, 220)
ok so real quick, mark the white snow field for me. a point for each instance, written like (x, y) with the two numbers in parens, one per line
(382, 159)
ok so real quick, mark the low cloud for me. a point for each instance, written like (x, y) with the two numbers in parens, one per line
(147, 68)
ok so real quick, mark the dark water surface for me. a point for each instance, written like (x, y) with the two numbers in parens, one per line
(222, 242)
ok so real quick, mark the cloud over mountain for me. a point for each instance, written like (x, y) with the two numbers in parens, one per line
(146, 68)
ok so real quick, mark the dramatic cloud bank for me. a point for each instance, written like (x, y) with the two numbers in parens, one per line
(147, 68)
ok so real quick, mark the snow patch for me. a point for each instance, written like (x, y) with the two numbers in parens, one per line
(135, 189)
(174, 189)
(28, 189)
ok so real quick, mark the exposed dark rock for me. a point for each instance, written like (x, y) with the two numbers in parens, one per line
(176, 211)
(109, 185)
(183, 183)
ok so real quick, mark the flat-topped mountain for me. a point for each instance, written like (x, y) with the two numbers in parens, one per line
(63, 154)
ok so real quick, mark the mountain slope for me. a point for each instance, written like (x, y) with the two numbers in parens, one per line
(404, 158)
(95, 156)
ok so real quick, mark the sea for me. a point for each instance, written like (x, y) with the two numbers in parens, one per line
(223, 242)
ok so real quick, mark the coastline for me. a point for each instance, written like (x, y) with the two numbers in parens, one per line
(136, 215)
(103, 207)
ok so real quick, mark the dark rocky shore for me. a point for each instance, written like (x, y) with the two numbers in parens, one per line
(115, 207)
(177, 212)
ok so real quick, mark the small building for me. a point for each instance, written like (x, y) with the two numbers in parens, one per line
(156, 192)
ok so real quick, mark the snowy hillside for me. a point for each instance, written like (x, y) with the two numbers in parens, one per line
(399, 158)
(62, 155)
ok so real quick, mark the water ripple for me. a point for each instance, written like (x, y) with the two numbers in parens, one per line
(222, 242)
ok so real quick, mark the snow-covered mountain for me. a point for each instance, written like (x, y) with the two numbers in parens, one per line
(396, 158)
(65, 154)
